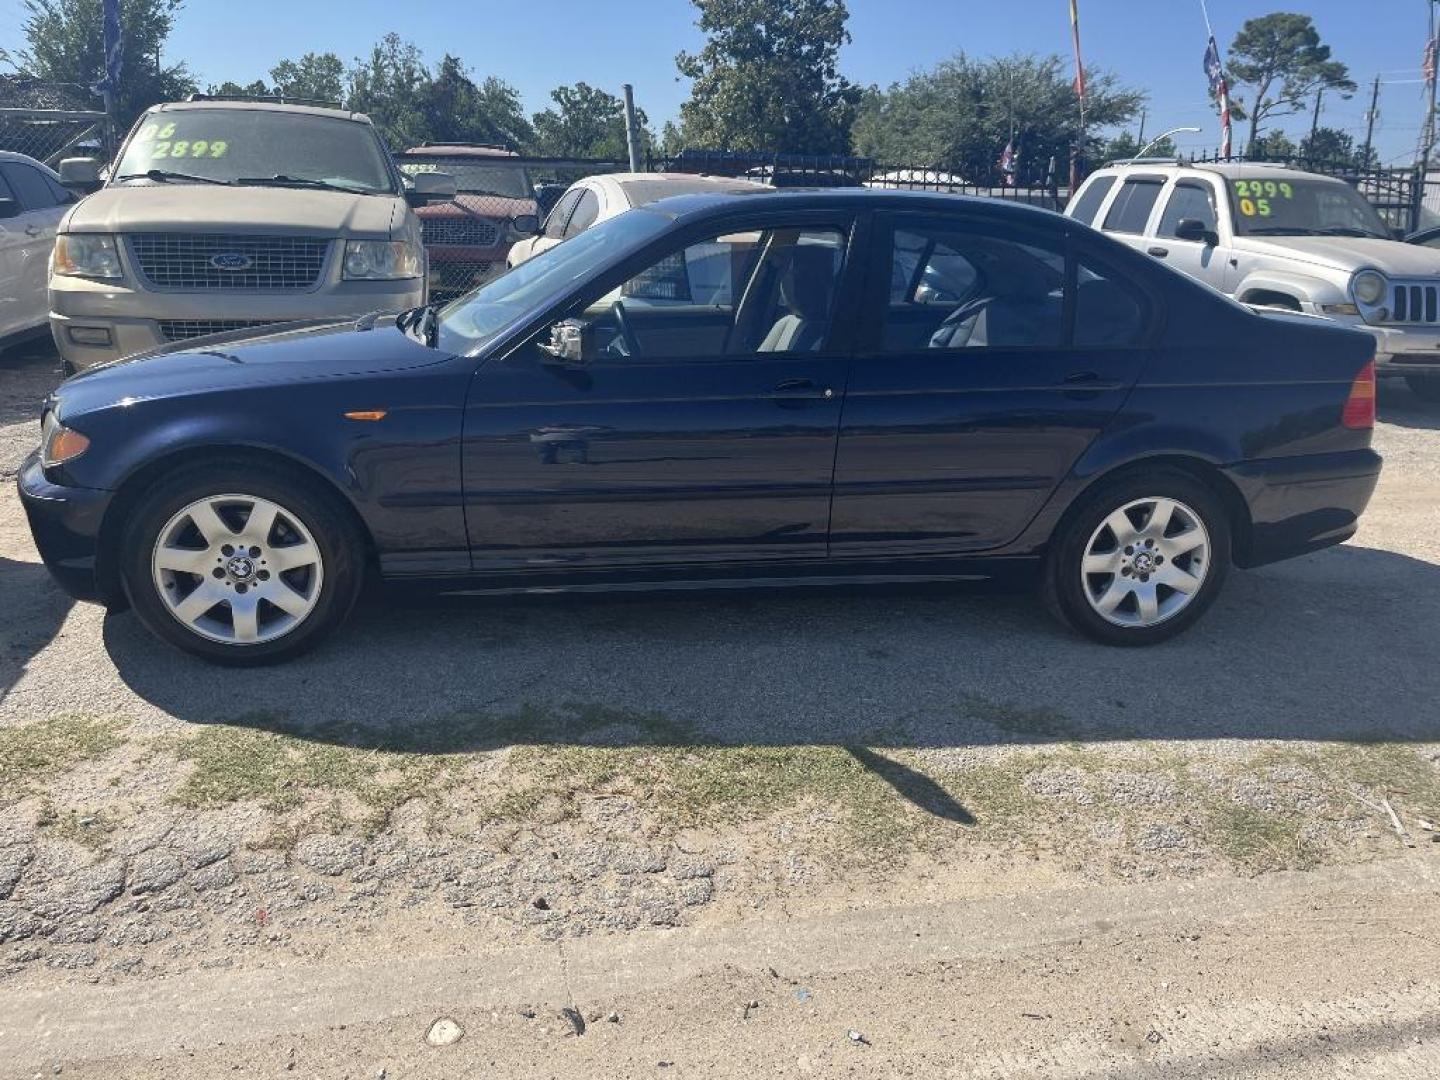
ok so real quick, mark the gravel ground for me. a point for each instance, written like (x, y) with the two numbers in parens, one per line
(182, 816)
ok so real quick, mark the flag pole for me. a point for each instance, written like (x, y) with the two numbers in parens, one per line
(1075, 150)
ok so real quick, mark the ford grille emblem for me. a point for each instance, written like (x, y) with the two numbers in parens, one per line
(231, 260)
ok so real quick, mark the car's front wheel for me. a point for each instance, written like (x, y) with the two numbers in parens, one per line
(1141, 558)
(1425, 387)
(241, 564)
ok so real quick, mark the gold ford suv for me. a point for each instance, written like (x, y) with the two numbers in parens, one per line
(222, 215)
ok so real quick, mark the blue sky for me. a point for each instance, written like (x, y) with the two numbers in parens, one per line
(1155, 45)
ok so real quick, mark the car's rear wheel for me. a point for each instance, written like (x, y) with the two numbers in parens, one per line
(1140, 559)
(1425, 387)
(241, 564)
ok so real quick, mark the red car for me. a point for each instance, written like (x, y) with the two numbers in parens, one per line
(467, 239)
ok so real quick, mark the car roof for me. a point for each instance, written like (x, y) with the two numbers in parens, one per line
(642, 189)
(11, 155)
(261, 106)
(763, 197)
(1230, 170)
(458, 150)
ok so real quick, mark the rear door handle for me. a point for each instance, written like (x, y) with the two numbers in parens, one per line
(1081, 377)
(800, 390)
(1159, 252)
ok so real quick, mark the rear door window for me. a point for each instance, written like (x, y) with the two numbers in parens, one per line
(29, 185)
(1087, 205)
(1131, 208)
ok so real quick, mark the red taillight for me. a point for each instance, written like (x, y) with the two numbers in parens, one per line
(1359, 411)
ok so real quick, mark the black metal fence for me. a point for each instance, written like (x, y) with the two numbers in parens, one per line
(812, 170)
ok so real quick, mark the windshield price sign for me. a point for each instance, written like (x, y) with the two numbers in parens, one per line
(1255, 195)
(167, 146)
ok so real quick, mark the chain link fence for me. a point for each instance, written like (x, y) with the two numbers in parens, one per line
(50, 121)
(501, 198)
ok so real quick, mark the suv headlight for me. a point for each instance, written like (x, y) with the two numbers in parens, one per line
(92, 255)
(381, 260)
(59, 444)
(1368, 287)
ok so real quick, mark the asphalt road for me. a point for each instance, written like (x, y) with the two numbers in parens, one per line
(1337, 644)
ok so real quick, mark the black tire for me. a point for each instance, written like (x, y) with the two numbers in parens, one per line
(1425, 387)
(1064, 588)
(318, 509)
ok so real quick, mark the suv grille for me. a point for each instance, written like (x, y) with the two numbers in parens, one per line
(184, 329)
(198, 261)
(1415, 303)
(461, 232)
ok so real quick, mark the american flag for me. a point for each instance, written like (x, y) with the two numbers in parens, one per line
(1428, 63)
(1220, 91)
(1007, 162)
(1079, 67)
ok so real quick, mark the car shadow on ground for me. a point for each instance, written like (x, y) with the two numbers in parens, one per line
(33, 609)
(1398, 405)
(1336, 646)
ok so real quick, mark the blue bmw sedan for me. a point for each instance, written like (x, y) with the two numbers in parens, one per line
(722, 391)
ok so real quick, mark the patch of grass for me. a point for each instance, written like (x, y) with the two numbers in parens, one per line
(37, 752)
(1261, 841)
(279, 770)
(91, 828)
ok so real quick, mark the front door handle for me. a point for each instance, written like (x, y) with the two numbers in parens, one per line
(791, 390)
(1159, 252)
(1081, 377)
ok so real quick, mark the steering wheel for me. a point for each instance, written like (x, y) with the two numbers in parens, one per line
(627, 334)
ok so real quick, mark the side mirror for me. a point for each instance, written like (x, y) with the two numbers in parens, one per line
(525, 224)
(570, 344)
(1196, 232)
(430, 187)
(8, 207)
(80, 174)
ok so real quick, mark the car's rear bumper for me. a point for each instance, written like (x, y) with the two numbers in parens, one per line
(65, 522)
(1302, 504)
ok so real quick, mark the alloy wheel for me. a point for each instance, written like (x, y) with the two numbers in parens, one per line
(1146, 562)
(237, 569)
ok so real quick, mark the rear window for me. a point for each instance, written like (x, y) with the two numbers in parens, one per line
(1131, 208)
(1087, 205)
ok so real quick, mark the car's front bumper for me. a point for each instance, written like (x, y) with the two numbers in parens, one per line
(1302, 504)
(132, 317)
(65, 522)
(1405, 350)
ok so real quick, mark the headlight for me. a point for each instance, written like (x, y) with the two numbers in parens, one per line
(59, 444)
(381, 260)
(1368, 287)
(91, 255)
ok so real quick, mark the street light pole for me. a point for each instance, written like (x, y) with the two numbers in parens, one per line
(1161, 138)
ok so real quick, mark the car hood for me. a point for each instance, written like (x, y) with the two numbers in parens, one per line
(1347, 253)
(490, 206)
(296, 352)
(177, 207)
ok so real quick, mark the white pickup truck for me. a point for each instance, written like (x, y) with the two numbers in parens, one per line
(1284, 238)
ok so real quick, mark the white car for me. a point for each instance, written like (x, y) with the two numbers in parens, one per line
(597, 198)
(32, 202)
(1280, 238)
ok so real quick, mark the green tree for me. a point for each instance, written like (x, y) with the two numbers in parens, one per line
(1331, 145)
(65, 42)
(457, 109)
(389, 85)
(768, 77)
(1281, 57)
(959, 115)
(258, 88)
(314, 77)
(1273, 146)
(586, 122)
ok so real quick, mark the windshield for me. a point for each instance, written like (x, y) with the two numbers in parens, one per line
(471, 322)
(509, 181)
(1303, 208)
(256, 146)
